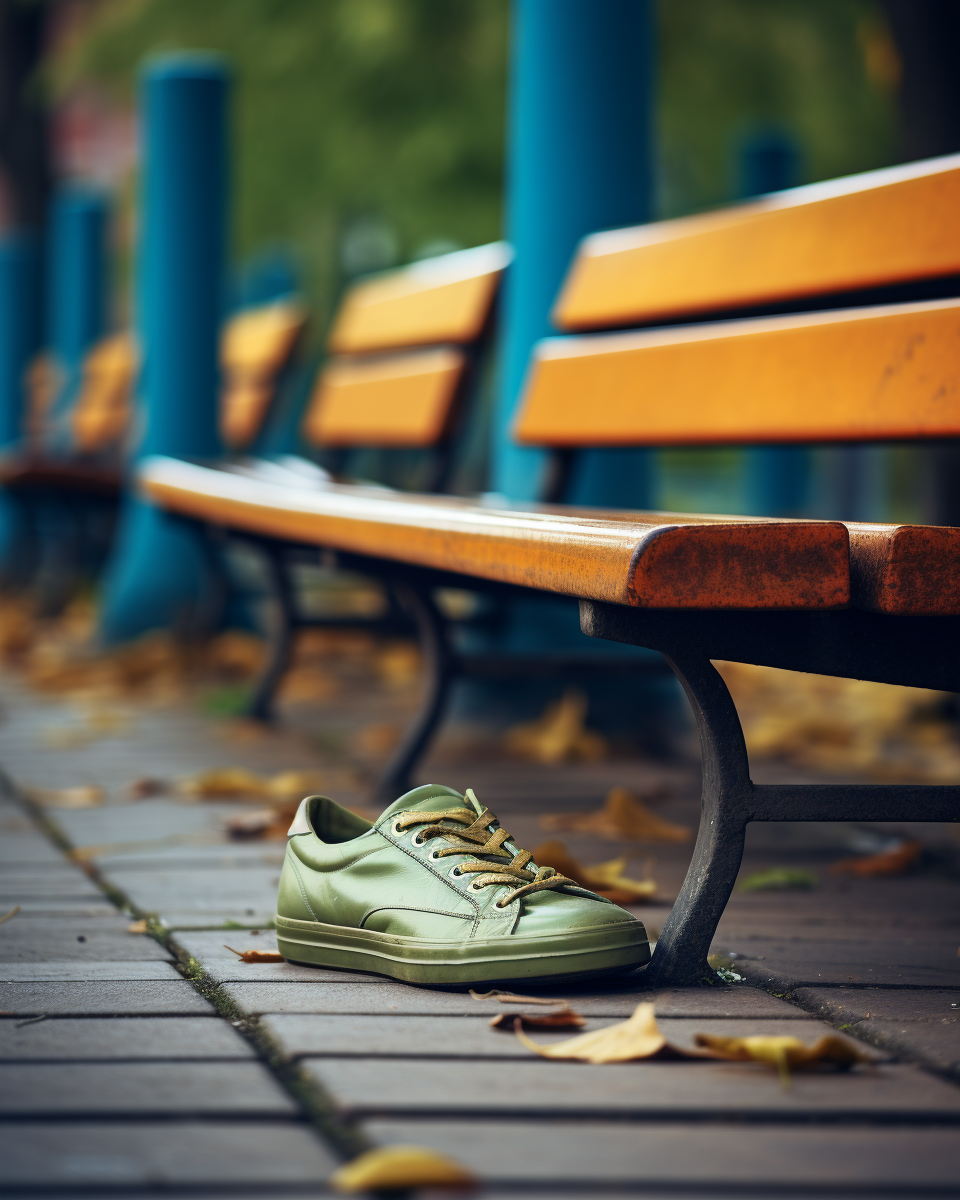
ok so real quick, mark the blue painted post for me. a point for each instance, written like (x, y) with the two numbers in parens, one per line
(77, 285)
(777, 477)
(20, 341)
(158, 574)
(578, 160)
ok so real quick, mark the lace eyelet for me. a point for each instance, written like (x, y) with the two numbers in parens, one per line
(434, 856)
(455, 872)
(472, 886)
(417, 839)
(500, 904)
(396, 830)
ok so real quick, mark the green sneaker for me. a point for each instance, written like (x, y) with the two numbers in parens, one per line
(435, 892)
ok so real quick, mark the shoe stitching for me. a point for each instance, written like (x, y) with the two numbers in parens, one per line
(441, 912)
(453, 887)
(303, 891)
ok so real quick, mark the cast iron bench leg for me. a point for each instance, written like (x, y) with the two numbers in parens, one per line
(280, 642)
(440, 667)
(681, 953)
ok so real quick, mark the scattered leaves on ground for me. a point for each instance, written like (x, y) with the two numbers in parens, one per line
(606, 878)
(890, 732)
(8, 916)
(82, 796)
(397, 1167)
(881, 866)
(238, 783)
(512, 997)
(779, 879)
(137, 927)
(623, 815)
(144, 789)
(559, 735)
(256, 956)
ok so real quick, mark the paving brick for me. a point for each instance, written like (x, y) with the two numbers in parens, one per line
(934, 1046)
(70, 1038)
(96, 939)
(784, 966)
(61, 907)
(369, 994)
(42, 972)
(208, 896)
(145, 821)
(666, 1153)
(932, 1005)
(415, 1086)
(90, 1154)
(23, 848)
(19, 883)
(167, 997)
(461, 1037)
(150, 1089)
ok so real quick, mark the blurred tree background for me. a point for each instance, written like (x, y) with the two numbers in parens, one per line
(369, 132)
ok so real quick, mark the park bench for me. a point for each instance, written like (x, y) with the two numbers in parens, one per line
(815, 315)
(68, 469)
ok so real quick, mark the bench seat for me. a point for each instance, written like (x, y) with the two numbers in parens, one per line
(660, 560)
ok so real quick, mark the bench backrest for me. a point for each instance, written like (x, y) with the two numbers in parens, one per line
(404, 347)
(862, 363)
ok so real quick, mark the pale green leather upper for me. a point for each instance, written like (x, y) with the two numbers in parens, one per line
(342, 870)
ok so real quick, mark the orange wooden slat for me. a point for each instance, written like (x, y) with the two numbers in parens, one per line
(443, 299)
(882, 227)
(865, 374)
(255, 346)
(102, 409)
(394, 400)
(645, 559)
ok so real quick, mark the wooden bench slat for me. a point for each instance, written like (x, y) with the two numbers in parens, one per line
(396, 400)
(905, 569)
(656, 560)
(879, 228)
(255, 346)
(886, 372)
(444, 299)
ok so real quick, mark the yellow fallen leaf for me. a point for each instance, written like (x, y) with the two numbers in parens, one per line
(512, 997)
(606, 878)
(784, 1053)
(226, 782)
(559, 735)
(623, 816)
(256, 956)
(637, 1037)
(137, 927)
(294, 785)
(9, 915)
(400, 1167)
(83, 796)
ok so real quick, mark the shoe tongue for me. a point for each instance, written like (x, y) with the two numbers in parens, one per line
(432, 797)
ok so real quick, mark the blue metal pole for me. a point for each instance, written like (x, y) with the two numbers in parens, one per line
(21, 332)
(578, 160)
(158, 574)
(777, 477)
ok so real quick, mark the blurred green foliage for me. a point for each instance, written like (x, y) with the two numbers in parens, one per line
(370, 131)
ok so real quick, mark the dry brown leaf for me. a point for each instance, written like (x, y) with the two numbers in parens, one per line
(512, 998)
(623, 816)
(249, 826)
(559, 735)
(256, 956)
(294, 785)
(376, 741)
(397, 1167)
(637, 1037)
(143, 789)
(606, 879)
(880, 866)
(137, 927)
(8, 916)
(561, 1018)
(784, 1053)
(83, 796)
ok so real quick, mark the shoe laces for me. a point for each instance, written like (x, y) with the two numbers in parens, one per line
(473, 833)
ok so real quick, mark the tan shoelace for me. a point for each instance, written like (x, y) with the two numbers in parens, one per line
(476, 838)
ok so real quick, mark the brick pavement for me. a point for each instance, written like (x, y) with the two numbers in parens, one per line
(134, 1066)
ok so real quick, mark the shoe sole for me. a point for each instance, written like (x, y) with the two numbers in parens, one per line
(420, 960)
